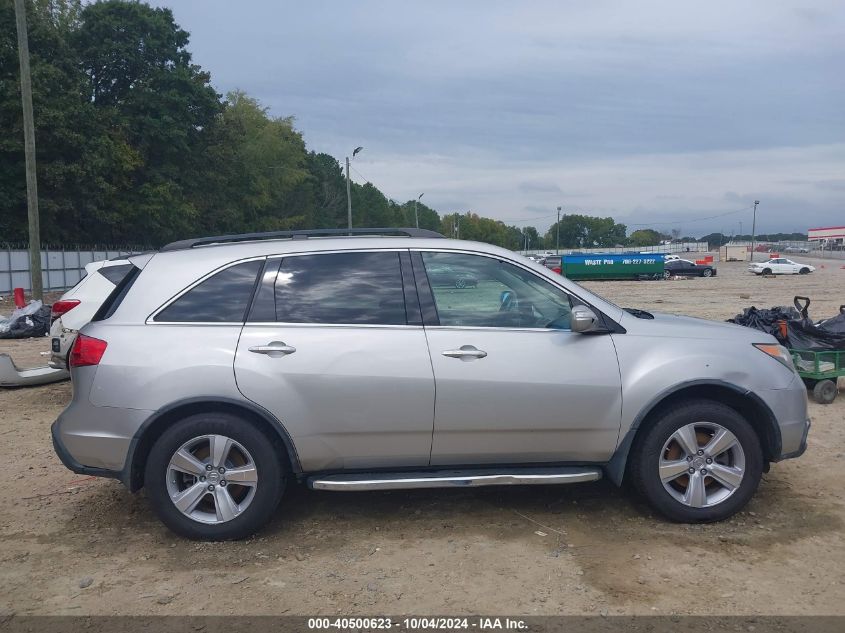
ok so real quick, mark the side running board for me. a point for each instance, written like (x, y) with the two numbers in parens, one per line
(454, 478)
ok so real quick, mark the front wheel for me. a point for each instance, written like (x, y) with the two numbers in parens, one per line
(460, 282)
(804, 271)
(700, 461)
(767, 271)
(214, 476)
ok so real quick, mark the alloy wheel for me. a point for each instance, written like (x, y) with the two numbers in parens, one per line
(701, 464)
(212, 479)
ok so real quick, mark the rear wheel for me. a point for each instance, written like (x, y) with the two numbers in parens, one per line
(460, 282)
(214, 476)
(667, 274)
(700, 461)
(707, 272)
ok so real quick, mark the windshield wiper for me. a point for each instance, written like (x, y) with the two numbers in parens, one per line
(640, 314)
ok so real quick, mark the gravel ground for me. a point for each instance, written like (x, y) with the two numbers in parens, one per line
(71, 544)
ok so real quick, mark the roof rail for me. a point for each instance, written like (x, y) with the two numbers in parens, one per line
(300, 234)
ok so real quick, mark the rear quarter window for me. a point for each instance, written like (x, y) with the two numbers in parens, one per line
(115, 274)
(222, 298)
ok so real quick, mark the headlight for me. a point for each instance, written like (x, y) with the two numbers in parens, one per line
(778, 352)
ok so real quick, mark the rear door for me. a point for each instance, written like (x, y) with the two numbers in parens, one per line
(334, 348)
(514, 384)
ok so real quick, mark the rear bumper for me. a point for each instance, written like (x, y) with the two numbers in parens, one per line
(95, 440)
(73, 465)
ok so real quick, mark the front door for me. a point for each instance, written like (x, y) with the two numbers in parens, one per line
(334, 352)
(513, 383)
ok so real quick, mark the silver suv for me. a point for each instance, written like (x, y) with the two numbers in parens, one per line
(221, 369)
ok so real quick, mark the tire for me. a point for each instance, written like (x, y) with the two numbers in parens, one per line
(767, 271)
(657, 444)
(249, 447)
(667, 274)
(825, 391)
(804, 271)
(460, 282)
(707, 272)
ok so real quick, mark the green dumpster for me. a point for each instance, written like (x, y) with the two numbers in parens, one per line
(596, 266)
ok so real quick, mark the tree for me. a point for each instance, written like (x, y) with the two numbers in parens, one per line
(582, 231)
(645, 237)
(157, 106)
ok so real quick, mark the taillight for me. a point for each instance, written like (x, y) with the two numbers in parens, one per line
(558, 270)
(86, 350)
(62, 306)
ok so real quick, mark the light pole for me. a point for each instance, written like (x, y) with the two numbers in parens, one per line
(416, 215)
(754, 229)
(29, 154)
(349, 191)
(557, 242)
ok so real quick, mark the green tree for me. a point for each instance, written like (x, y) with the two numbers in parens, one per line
(583, 231)
(156, 104)
(645, 237)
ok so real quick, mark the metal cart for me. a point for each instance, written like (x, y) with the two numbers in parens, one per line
(819, 370)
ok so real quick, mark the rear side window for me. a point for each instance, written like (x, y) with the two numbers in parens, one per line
(340, 288)
(117, 295)
(115, 274)
(222, 298)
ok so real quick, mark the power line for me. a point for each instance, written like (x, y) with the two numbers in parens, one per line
(685, 220)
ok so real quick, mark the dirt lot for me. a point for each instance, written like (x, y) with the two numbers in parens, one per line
(75, 545)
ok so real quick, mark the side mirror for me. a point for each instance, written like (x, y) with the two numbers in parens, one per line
(583, 320)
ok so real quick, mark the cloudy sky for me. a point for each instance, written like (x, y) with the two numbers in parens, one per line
(660, 114)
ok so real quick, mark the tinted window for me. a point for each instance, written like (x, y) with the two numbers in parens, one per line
(486, 292)
(117, 295)
(223, 297)
(341, 288)
(115, 274)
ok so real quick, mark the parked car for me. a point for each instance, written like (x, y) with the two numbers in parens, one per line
(449, 276)
(796, 249)
(686, 268)
(76, 307)
(671, 258)
(553, 262)
(780, 266)
(222, 370)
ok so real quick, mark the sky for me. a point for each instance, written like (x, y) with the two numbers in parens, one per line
(670, 115)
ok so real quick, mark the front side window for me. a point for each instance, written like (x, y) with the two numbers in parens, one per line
(478, 291)
(341, 288)
(222, 298)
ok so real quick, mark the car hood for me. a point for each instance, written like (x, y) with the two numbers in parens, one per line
(671, 325)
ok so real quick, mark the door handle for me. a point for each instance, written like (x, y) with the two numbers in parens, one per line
(466, 352)
(274, 348)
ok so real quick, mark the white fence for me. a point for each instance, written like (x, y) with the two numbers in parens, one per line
(681, 247)
(60, 268)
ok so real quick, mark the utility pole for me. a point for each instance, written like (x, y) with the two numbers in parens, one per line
(557, 243)
(754, 229)
(29, 154)
(417, 215)
(349, 191)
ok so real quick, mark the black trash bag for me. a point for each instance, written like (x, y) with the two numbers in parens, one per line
(836, 325)
(806, 335)
(30, 325)
(766, 320)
